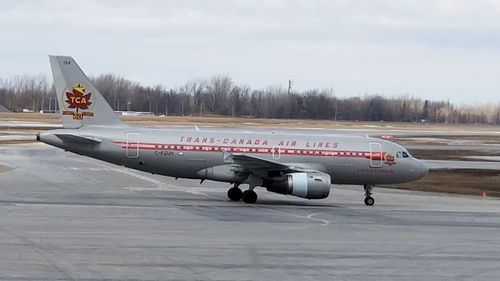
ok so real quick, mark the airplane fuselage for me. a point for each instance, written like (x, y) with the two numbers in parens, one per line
(187, 153)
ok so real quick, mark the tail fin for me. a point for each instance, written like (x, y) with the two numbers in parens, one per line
(79, 101)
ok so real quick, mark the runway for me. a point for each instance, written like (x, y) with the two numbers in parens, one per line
(69, 217)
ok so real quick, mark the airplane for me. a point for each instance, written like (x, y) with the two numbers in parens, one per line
(292, 163)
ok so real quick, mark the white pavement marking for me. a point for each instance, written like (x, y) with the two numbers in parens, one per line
(309, 217)
(324, 222)
(160, 185)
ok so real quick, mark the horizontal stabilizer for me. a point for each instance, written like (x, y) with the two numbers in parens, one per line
(78, 139)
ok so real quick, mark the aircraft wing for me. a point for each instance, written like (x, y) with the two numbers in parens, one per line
(252, 163)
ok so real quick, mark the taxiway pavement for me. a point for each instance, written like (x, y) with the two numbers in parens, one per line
(68, 217)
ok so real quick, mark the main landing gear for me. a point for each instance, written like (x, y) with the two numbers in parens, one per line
(369, 201)
(235, 194)
(249, 196)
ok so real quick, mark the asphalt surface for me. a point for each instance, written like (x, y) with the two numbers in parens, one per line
(68, 217)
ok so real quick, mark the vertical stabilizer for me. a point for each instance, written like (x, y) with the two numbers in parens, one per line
(79, 101)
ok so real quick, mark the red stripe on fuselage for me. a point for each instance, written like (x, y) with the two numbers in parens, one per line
(254, 150)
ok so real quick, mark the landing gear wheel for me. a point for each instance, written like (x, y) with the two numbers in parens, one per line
(369, 201)
(249, 196)
(234, 194)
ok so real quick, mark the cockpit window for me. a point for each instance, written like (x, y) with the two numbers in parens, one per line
(402, 154)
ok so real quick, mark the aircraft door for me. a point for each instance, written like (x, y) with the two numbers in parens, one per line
(276, 152)
(376, 159)
(132, 150)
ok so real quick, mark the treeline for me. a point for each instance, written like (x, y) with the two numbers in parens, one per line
(219, 95)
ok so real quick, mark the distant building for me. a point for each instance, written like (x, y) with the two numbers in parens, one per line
(45, 111)
(133, 113)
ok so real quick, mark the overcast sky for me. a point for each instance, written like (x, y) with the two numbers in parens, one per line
(437, 49)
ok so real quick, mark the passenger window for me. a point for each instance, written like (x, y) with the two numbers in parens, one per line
(398, 154)
(405, 155)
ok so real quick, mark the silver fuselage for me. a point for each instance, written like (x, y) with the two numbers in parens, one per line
(184, 153)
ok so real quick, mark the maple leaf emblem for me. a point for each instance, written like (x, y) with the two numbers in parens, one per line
(78, 99)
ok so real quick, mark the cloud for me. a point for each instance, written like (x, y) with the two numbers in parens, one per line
(427, 48)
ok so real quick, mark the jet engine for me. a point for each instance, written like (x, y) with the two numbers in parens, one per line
(226, 173)
(305, 185)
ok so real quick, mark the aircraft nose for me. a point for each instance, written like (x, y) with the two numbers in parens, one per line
(420, 170)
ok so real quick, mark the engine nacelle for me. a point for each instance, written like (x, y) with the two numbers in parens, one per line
(225, 173)
(305, 185)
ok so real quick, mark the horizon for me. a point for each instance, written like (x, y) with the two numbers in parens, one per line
(272, 88)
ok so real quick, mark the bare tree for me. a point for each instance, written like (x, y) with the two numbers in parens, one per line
(220, 95)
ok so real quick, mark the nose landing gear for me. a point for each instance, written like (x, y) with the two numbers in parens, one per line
(369, 201)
